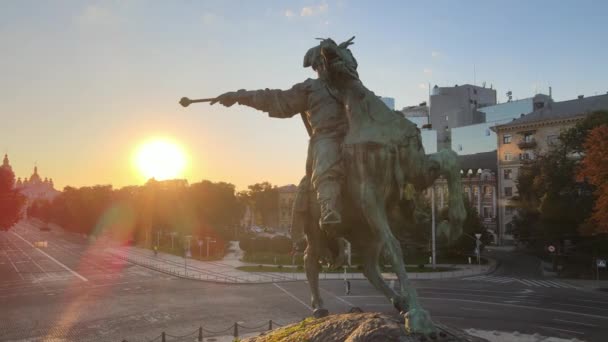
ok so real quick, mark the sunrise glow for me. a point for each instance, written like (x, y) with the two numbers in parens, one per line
(160, 159)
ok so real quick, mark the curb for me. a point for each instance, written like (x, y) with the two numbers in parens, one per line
(236, 280)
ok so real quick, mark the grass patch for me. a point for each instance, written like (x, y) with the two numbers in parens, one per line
(289, 269)
(296, 332)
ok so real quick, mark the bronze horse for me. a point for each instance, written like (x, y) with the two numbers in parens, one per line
(382, 155)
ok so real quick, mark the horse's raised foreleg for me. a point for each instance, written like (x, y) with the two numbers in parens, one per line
(312, 257)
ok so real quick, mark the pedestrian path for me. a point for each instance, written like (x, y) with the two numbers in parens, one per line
(526, 282)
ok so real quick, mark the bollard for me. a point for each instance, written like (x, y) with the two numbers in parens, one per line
(236, 330)
(270, 325)
(162, 337)
(200, 334)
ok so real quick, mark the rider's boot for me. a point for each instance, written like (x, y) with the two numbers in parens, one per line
(328, 195)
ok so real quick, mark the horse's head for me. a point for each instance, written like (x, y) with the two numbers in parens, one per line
(333, 61)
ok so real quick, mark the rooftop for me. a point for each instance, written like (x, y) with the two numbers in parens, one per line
(563, 110)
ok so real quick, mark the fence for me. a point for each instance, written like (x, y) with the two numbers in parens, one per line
(200, 333)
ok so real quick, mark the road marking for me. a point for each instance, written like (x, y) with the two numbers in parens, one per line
(526, 282)
(476, 309)
(570, 331)
(55, 260)
(338, 298)
(579, 323)
(517, 306)
(292, 296)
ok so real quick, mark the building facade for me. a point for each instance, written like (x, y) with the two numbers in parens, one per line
(523, 139)
(287, 196)
(479, 185)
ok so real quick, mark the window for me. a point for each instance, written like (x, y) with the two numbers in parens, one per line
(508, 191)
(487, 212)
(475, 91)
(446, 118)
(487, 132)
(508, 156)
(507, 173)
(509, 210)
(506, 139)
(488, 190)
(528, 137)
(552, 139)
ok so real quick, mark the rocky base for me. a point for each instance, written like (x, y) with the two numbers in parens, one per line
(359, 327)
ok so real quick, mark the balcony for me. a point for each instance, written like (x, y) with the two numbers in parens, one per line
(527, 144)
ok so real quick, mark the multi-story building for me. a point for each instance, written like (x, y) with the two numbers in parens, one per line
(524, 138)
(457, 106)
(479, 137)
(287, 196)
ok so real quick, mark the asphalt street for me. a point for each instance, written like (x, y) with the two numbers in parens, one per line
(73, 290)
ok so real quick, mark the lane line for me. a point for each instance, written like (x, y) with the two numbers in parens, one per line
(526, 282)
(517, 306)
(292, 296)
(55, 260)
(475, 309)
(570, 331)
(579, 323)
(338, 298)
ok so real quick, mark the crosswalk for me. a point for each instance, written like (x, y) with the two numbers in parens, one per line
(526, 282)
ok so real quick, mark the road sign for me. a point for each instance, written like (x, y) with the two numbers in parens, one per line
(601, 263)
(477, 235)
(551, 248)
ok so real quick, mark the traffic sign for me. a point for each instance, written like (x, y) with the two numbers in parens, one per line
(601, 263)
(477, 235)
(551, 248)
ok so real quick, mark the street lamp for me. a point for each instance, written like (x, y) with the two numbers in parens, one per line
(433, 258)
(172, 237)
(186, 253)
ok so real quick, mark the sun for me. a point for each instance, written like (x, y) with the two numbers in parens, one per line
(160, 159)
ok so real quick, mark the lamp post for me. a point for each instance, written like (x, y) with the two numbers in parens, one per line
(433, 255)
(186, 253)
(172, 238)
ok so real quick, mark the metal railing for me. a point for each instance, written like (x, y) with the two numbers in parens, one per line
(201, 332)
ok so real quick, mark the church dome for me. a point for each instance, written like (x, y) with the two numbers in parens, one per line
(35, 178)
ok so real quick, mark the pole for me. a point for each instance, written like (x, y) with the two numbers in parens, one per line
(208, 238)
(433, 226)
(158, 238)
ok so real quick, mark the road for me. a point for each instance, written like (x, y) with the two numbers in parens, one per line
(73, 290)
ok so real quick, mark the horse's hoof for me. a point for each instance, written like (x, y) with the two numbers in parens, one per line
(355, 309)
(319, 313)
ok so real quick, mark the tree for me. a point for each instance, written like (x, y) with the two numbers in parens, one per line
(11, 201)
(265, 199)
(549, 188)
(594, 169)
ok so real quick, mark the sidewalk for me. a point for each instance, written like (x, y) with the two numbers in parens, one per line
(224, 271)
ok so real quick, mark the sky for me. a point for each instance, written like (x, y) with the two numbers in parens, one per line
(84, 83)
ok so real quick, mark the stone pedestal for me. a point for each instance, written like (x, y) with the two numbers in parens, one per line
(358, 327)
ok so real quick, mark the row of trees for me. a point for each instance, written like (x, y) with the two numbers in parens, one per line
(563, 193)
(11, 201)
(137, 212)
